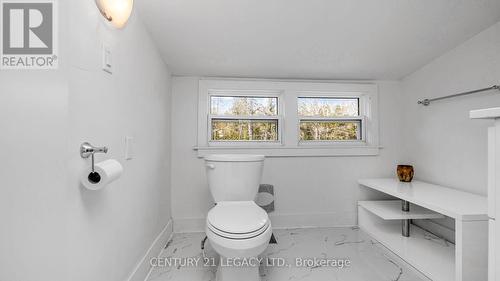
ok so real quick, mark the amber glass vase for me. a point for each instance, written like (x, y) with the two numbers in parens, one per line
(405, 173)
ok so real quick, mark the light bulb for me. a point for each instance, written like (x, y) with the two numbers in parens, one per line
(117, 12)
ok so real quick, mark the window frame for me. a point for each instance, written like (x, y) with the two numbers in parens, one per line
(288, 92)
(362, 101)
(244, 93)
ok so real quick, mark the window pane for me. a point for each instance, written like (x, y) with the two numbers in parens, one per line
(244, 130)
(330, 130)
(243, 106)
(328, 107)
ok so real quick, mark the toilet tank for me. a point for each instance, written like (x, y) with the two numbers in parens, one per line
(234, 177)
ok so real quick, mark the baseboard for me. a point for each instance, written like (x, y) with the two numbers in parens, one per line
(437, 229)
(143, 268)
(313, 220)
(189, 225)
(280, 221)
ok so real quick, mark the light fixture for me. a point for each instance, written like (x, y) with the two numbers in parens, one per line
(117, 12)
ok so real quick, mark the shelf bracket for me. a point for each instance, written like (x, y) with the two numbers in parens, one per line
(405, 224)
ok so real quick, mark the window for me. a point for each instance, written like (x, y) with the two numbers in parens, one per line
(329, 119)
(287, 118)
(240, 118)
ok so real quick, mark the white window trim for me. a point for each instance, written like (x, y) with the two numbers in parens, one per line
(250, 93)
(289, 143)
(365, 102)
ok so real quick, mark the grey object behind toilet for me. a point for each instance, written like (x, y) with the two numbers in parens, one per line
(265, 197)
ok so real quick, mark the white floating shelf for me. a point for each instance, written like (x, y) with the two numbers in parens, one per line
(457, 204)
(391, 210)
(434, 258)
(487, 113)
(465, 261)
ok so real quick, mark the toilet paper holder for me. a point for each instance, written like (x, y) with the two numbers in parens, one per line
(87, 150)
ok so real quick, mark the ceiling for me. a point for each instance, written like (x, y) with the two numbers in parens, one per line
(311, 39)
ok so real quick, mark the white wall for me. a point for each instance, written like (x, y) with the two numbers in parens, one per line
(310, 191)
(443, 144)
(33, 191)
(52, 228)
(113, 228)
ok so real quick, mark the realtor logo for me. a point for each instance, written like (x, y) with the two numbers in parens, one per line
(28, 35)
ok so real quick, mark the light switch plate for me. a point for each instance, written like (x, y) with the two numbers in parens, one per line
(107, 61)
(129, 148)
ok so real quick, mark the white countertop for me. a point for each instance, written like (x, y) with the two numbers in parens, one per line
(486, 113)
(447, 201)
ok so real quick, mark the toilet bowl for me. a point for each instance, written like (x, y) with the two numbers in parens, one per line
(237, 229)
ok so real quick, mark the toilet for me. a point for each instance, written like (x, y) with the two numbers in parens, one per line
(237, 229)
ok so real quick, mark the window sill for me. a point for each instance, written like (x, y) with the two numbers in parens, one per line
(313, 151)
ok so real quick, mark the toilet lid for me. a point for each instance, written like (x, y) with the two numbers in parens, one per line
(242, 217)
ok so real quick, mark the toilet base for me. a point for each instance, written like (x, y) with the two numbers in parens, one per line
(228, 272)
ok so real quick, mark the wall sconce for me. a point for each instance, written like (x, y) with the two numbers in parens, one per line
(117, 12)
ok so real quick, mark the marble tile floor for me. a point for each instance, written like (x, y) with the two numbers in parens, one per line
(369, 261)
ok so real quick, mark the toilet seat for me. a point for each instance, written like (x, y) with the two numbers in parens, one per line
(237, 220)
(236, 236)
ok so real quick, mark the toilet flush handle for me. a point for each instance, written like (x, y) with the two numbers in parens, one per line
(210, 166)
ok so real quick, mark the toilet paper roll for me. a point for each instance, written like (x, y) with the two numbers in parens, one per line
(104, 173)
